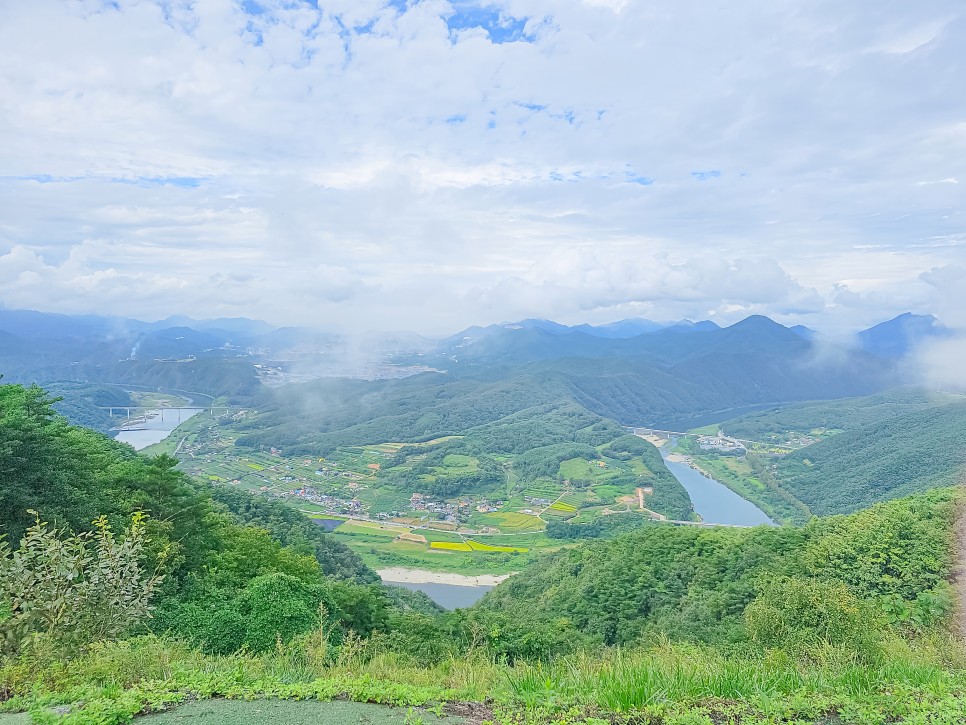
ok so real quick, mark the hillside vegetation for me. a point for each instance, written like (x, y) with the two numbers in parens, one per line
(847, 619)
(903, 454)
(845, 454)
(698, 584)
(206, 545)
(778, 424)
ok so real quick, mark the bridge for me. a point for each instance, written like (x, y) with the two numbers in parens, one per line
(163, 409)
(707, 524)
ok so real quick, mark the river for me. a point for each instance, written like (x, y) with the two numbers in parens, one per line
(714, 502)
(155, 428)
(448, 596)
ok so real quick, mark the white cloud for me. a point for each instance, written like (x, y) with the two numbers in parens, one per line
(365, 164)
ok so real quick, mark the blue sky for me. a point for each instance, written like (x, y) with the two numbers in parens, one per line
(429, 165)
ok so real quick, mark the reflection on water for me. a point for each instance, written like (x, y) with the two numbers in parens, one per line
(448, 596)
(714, 502)
(157, 426)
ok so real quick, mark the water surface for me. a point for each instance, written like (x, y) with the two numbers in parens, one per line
(155, 429)
(448, 596)
(714, 502)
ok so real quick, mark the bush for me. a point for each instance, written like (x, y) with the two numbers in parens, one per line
(73, 588)
(802, 616)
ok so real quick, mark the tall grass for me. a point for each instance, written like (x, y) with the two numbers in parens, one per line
(925, 680)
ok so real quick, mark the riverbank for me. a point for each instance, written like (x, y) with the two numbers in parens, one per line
(404, 575)
(712, 500)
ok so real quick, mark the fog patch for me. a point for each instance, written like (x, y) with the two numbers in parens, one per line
(942, 363)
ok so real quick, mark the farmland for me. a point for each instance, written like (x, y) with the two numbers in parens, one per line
(439, 504)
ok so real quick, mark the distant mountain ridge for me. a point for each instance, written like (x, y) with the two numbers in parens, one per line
(898, 337)
(756, 360)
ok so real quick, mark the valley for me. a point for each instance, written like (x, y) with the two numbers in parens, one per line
(524, 518)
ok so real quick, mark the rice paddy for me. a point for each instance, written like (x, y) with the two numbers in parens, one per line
(470, 545)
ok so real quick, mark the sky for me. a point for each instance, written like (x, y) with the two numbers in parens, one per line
(430, 165)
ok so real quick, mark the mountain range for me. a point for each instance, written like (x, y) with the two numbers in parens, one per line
(753, 361)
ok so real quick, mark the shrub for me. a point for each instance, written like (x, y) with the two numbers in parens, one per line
(802, 616)
(73, 588)
(278, 607)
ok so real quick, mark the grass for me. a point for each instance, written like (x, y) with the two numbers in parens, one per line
(512, 521)
(675, 684)
(383, 554)
(562, 506)
(582, 469)
(372, 529)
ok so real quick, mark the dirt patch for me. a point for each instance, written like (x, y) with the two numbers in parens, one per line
(470, 713)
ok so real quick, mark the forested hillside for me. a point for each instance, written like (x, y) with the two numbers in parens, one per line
(210, 547)
(728, 585)
(82, 403)
(248, 598)
(833, 415)
(900, 455)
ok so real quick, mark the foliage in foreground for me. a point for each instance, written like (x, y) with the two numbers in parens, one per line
(921, 682)
(843, 577)
(74, 589)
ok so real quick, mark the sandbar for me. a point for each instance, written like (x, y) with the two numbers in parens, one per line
(402, 575)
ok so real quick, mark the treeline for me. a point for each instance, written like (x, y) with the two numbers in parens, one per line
(318, 417)
(82, 403)
(846, 414)
(604, 527)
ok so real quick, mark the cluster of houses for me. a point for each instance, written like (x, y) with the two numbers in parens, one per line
(455, 511)
(448, 511)
(720, 442)
(331, 503)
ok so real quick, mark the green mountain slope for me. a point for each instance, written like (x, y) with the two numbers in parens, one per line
(775, 424)
(70, 475)
(903, 454)
(696, 584)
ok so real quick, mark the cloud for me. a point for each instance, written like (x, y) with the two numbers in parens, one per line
(433, 163)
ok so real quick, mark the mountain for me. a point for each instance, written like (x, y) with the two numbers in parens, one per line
(621, 328)
(897, 337)
(892, 456)
(238, 326)
(688, 326)
(550, 326)
(32, 325)
(177, 343)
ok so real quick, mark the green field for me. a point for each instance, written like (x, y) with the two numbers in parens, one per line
(511, 521)
(369, 480)
(582, 469)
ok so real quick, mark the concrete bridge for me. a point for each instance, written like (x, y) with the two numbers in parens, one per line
(128, 409)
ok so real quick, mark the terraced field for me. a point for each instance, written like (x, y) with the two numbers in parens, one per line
(512, 521)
